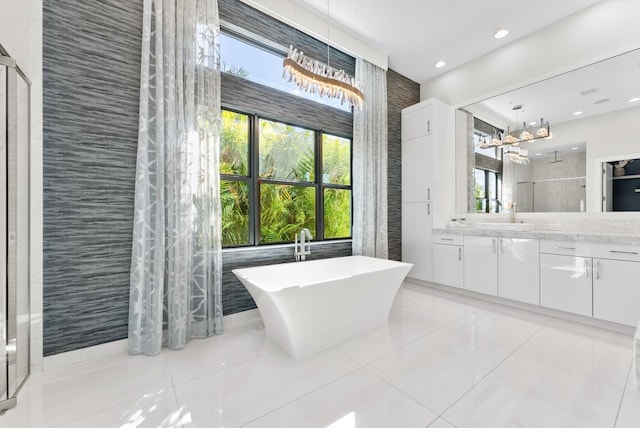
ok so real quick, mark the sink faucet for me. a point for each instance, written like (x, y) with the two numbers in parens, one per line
(302, 248)
(512, 214)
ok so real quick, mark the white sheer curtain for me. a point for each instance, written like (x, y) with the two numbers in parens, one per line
(370, 164)
(176, 262)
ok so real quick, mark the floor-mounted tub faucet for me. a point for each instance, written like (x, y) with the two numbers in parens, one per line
(302, 248)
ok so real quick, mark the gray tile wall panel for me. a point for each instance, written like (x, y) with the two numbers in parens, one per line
(401, 93)
(91, 57)
(251, 97)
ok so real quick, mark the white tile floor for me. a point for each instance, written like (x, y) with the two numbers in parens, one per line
(444, 361)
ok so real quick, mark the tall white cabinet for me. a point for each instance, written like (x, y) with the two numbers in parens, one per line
(424, 125)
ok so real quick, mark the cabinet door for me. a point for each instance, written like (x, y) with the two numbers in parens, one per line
(565, 283)
(416, 122)
(417, 238)
(518, 270)
(480, 262)
(417, 169)
(616, 291)
(448, 265)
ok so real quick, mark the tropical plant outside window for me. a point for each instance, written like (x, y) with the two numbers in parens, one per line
(271, 185)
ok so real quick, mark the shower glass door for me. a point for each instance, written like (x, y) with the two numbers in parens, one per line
(3, 232)
(14, 229)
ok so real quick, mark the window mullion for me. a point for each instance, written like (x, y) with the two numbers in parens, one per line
(254, 153)
(319, 188)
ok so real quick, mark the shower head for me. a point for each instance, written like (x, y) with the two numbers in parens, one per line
(555, 157)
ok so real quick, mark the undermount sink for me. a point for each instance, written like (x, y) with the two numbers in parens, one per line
(506, 226)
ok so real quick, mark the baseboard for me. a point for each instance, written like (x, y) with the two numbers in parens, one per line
(79, 355)
(231, 323)
(417, 284)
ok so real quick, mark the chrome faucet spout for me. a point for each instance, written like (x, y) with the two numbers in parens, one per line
(513, 212)
(302, 248)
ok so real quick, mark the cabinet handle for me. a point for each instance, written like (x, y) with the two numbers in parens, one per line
(428, 126)
(597, 270)
(501, 245)
(446, 239)
(459, 254)
(493, 245)
(586, 268)
(563, 248)
(428, 209)
(429, 193)
(635, 253)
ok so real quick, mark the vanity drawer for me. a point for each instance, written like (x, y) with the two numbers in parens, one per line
(444, 238)
(617, 252)
(568, 248)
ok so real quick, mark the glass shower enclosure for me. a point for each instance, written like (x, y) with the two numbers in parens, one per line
(14, 229)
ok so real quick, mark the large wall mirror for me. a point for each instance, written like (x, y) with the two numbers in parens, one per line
(554, 146)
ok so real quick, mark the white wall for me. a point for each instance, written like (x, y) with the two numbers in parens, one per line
(305, 19)
(605, 29)
(21, 36)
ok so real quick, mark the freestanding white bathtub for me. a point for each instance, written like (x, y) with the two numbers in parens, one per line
(310, 306)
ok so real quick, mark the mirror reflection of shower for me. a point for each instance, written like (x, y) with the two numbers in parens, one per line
(553, 181)
(555, 157)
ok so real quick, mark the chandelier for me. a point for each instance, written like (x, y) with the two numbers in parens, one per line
(316, 77)
(517, 136)
(515, 154)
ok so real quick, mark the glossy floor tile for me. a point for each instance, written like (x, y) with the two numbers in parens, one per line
(603, 356)
(443, 361)
(526, 392)
(358, 399)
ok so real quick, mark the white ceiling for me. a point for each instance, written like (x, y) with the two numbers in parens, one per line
(417, 33)
(596, 89)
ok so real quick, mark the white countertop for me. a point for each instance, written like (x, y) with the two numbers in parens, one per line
(595, 238)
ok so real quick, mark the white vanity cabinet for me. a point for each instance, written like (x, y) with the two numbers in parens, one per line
(518, 273)
(447, 260)
(419, 133)
(505, 267)
(481, 264)
(616, 283)
(566, 276)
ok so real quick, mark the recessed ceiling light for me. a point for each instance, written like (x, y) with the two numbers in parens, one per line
(577, 113)
(575, 148)
(633, 100)
(439, 64)
(538, 154)
(532, 123)
(501, 33)
(589, 91)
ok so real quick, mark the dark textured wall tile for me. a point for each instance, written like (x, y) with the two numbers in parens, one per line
(401, 93)
(91, 59)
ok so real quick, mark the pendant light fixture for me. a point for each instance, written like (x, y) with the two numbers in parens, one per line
(316, 77)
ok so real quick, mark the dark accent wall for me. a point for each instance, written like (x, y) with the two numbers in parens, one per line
(91, 72)
(91, 80)
(402, 92)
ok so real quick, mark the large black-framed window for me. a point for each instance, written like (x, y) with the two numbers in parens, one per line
(277, 178)
(488, 191)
